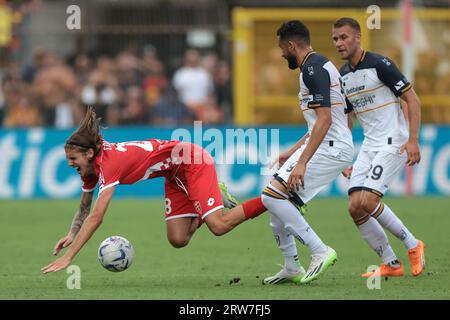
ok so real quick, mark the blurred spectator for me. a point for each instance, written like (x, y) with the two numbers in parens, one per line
(135, 110)
(193, 83)
(210, 112)
(53, 87)
(128, 73)
(82, 67)
(170, 111)
(155, 79)
(18, 111)
(100, 92)
(209, 62)
(223, 90)
(29, 72)
(127, 89)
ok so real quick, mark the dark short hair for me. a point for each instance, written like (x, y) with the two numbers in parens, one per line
(294, 29)
(347, 22)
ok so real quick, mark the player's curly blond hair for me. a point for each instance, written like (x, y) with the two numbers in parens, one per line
(88, 133)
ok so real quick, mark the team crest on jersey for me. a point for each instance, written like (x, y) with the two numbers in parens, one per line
(386, 62)
(210, 201)
(310, 71)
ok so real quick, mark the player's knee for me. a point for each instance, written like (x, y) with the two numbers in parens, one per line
(179, 241)
(356, 210)
(369, 204)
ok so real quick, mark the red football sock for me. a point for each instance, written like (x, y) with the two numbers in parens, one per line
(253, 208)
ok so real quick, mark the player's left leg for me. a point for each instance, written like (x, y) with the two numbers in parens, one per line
(202, 187)
(220, 223)
(385, 167)
(291, 270)
(322, 169)
(180, 231)
(181, 217)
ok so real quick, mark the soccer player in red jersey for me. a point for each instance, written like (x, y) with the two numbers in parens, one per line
(192, 191)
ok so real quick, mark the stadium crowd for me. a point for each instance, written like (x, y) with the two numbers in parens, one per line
(129, 88)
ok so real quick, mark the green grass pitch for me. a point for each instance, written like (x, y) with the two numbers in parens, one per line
(205, 269)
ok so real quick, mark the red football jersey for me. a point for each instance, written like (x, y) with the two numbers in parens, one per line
(132, 161)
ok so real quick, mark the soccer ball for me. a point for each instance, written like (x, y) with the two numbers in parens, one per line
(116, 254)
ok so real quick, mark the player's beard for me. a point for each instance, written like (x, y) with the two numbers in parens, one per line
(292, 62)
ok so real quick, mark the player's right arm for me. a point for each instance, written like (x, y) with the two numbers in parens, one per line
(391, 76)
(317, 80)
(77, 222)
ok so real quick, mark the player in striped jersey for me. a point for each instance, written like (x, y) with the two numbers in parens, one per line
(313, 162)
(373, 87)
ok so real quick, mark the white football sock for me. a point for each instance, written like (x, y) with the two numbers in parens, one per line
(294, 223)
(286, 243)
(390, 221)
(373, 233)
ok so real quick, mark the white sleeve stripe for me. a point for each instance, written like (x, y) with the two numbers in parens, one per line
(211, 211)
(108, 186)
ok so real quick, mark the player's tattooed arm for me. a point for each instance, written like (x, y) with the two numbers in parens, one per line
(83, 212)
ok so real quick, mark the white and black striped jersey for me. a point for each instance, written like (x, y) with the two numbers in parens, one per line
(372, 89)
(320, 87)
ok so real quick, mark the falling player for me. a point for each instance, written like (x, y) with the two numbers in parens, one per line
(193, 195)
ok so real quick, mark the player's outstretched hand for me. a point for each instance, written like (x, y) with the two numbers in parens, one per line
(57, 265)
(347, 173)
(62, 243)
(413, 151)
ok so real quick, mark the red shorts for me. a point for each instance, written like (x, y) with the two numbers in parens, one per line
(194, 191)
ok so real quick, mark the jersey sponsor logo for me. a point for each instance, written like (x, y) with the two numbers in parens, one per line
(364, 101)
(211, 202)
(399, 85)
(354, 89)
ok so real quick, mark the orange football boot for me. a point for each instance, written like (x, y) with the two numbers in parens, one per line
(417, 258)
(385, 270)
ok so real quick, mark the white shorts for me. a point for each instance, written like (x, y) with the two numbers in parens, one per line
(374, 171)
(325, 166)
